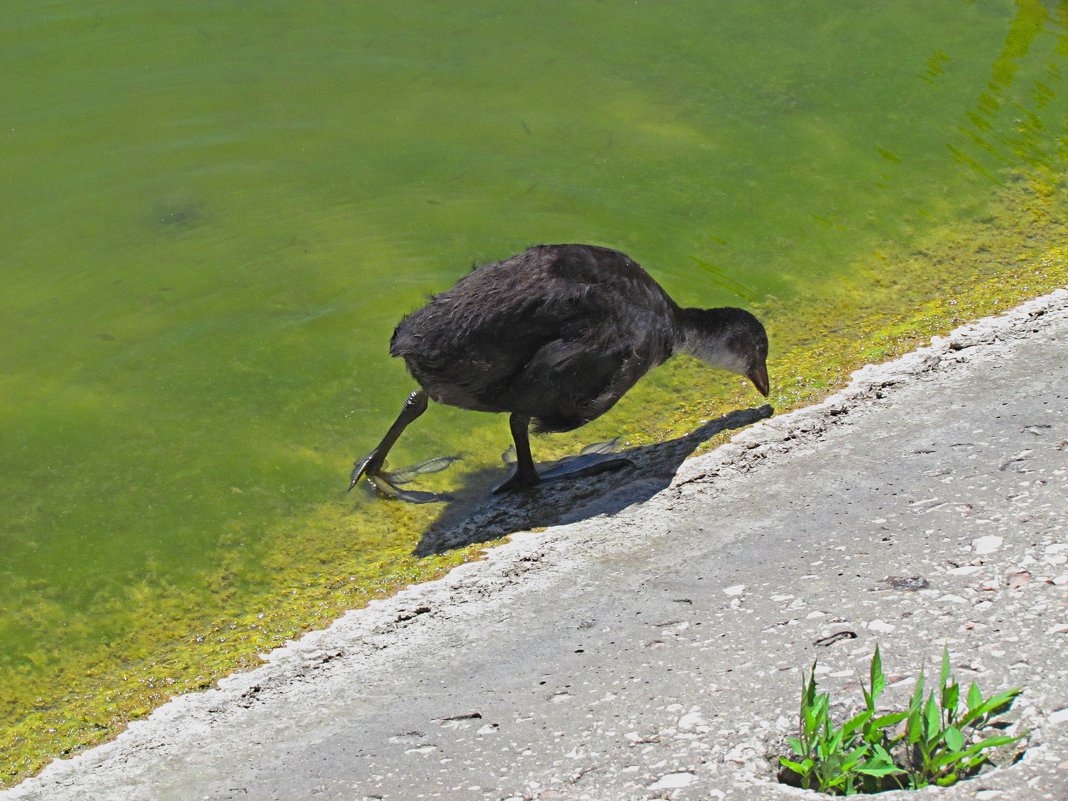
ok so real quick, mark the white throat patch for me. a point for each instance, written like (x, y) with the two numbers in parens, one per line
(715, 354)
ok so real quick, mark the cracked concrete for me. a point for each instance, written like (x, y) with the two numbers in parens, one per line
(657, 652)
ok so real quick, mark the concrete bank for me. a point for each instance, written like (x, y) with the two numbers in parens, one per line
(657, 652)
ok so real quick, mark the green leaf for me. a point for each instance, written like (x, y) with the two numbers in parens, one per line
(878, 678)
(879, 770)
(975, 698)
(932, 719)
(995, 705)
(992, 742)
(810, 688)
(851, 759)
(943, 675)
(962, 756)
(834, 743)
(888, 720)
(856, 722)
(972, 763)
(946, 781)
(1002, 702)
(882, 753)
(950, 699)
(797, 767)
(953, 738)
(880, 764)
(831, 782)
(808, 698)
(914, 726)
(945, 760)
(916, 701)
(815, 715)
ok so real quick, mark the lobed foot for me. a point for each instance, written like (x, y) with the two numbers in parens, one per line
(590, 461)
(386, 482)
(518, 481)
(582, 466)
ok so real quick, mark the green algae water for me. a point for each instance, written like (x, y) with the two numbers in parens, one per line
(213, 214)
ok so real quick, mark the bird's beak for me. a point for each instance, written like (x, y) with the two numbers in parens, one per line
(759, 376)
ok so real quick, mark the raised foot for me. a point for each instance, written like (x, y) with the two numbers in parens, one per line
(386, 482)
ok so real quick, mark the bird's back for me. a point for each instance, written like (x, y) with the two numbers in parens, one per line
(558, 332)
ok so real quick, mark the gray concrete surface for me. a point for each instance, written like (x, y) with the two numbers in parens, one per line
(657, 652)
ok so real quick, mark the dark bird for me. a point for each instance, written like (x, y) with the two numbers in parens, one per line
(554, 335)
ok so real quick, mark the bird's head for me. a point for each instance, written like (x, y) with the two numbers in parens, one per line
(730, 339)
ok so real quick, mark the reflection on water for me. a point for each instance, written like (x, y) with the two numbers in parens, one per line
(213, 219)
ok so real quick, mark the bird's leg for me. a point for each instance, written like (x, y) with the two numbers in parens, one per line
(525, 475)
(593, 460)
(371, 465)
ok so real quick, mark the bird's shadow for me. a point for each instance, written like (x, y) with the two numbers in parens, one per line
(472, 515)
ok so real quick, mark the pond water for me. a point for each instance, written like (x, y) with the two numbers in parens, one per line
(215, 213)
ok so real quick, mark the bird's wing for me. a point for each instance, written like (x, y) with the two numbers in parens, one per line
(568, 383)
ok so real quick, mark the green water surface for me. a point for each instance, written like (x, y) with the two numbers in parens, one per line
(213, 214)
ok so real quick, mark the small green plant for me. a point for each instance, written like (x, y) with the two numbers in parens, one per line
(848, 759)
(935, 741)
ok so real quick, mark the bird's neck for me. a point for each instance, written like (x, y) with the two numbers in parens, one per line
(702, 333)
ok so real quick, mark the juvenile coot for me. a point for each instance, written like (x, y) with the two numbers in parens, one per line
(556, 334)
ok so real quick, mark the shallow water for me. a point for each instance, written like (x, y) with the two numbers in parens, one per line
(214, 214)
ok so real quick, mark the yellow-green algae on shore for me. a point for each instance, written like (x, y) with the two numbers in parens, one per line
(893, 301)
